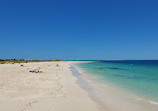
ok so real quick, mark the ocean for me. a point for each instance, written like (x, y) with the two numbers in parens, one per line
(138, 78)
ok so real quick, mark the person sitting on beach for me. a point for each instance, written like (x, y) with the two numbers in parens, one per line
(57, 65)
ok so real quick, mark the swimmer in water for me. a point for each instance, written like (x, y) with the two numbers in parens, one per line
(100, 69)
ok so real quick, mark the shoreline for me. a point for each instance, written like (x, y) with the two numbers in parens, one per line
(54, 90)
(63, 88)
(135, 104)
(116, 88)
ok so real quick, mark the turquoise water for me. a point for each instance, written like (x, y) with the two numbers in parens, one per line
(139, 78)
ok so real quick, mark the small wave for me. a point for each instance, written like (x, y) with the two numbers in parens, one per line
(153, 102)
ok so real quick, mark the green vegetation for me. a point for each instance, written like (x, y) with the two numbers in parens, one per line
(57, 60)
(12, 61)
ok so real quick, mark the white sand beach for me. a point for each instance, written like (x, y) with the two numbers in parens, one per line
(54, 90)
(57, 90)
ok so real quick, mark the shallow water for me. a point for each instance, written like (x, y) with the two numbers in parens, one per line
(138, 78)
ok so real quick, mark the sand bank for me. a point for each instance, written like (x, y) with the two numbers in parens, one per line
(54, 90)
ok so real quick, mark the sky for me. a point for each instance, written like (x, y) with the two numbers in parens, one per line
(79, 29)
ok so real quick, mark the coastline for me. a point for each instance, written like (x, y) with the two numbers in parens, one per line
(113, 99)
(54, 90)
(63, 88)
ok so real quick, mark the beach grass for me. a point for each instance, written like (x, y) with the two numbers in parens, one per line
(12, 61)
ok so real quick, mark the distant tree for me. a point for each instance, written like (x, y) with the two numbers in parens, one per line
(13, 59)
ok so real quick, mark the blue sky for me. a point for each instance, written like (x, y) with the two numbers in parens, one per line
(79, 29)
